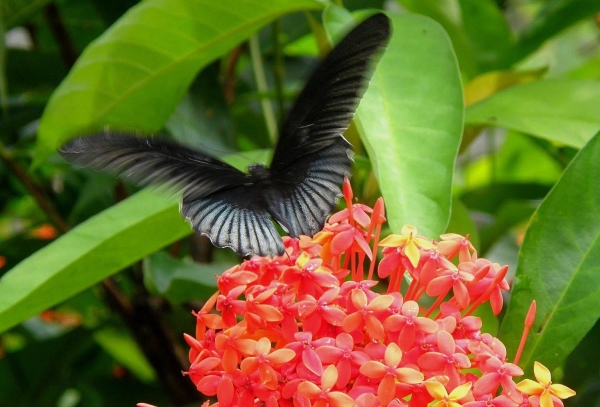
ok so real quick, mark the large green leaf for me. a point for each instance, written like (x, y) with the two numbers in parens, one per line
(410, 120)
(559, 266)
(563, 110)
(97, 248)
(135, 74)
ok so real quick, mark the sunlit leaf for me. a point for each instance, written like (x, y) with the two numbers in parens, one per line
(411, 123)
(135, 74)
(97, 248)
(559, 267)
(562, 110)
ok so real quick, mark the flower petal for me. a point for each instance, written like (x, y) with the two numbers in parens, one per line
(281, 356)
(373, 369)
(380, 303)
(339, 399)
(386, 390)
(530, 387)
(460, 391)
(308, 390)
(542, 374)
(393, 355)
(436, 390)
(329, 377)
(561, 391)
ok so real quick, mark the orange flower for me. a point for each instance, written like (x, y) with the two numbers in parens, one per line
(389, 372)
(365, 313)
(439, 393)
(323, 394)
(410, 242)
(44, 232)
(264, 360)
(547, 392)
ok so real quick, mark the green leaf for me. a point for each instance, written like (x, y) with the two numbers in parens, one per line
(179, 280)
(510, 215)
(492, 197)
(566, 111)
(552, 19)
(559, 267)
(201, 119)
(126, 352)
(15, 12)
(462, 223)
(97, 248)
(445, 14)
(410, 120)
(487, 31)
(135, 74)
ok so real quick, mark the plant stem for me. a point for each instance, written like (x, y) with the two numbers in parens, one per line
(37, 192)
(3, 81)
(68, 51)
(261, 84)
(278, 67)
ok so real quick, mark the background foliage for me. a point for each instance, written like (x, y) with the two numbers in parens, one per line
(481, 118)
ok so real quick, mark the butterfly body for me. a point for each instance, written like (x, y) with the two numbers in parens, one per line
(300, 187)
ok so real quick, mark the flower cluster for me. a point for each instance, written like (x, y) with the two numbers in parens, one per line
(314, 328)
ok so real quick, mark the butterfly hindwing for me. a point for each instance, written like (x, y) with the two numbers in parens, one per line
(302, 202)
(235, 218)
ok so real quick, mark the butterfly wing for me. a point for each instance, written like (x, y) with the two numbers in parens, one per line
(311, 158)
(219, 201)
(152, 161)
(235, 218)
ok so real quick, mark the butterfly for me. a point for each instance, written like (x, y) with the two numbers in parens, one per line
(300, 187)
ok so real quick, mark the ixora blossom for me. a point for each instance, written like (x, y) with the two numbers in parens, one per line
(314, 328)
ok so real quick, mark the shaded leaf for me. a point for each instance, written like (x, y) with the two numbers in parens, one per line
(487, 31)
(446, 16)
(492, 197)
(201, 119)
(486, 85)
(462, 223)
(550, 20)
(126, 352)
(15, 12)
(179, 280)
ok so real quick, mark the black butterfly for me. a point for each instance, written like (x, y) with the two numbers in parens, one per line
(301, 186)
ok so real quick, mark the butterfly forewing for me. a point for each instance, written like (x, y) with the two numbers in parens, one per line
(153, 161)
(312, 157)
(327, 103)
